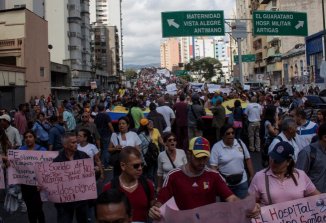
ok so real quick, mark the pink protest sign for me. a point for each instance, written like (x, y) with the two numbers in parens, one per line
(220, 212)
(309, 209)
(22, 165)
(67, 181)
(2, 177)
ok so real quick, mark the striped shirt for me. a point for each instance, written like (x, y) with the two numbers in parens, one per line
(305, 133)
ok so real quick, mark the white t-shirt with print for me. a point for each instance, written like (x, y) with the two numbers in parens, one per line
(132, 139)
(90, 149)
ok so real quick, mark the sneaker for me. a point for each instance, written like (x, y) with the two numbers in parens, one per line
(23, 207)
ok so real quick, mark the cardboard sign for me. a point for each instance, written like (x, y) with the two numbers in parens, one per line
(309, 209)
(220, 212)
(22, 165)
(67, 181)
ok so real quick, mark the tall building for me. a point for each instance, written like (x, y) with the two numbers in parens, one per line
(243, 11)
(109, 12)
(105, 52)
(36, 6)
(25, 53)
(69, 35)
(170, 53)
(279, 71)
(68, 31)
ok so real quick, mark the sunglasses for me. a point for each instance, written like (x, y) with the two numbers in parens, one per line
(137, 165)
(229, 133)
(172, 140)
(84, 116)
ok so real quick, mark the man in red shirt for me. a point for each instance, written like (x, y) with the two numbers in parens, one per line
(193, 185)
(139, 191)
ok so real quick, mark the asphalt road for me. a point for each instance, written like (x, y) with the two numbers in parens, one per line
(50, 211)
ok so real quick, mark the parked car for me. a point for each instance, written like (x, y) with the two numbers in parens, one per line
(312, 105)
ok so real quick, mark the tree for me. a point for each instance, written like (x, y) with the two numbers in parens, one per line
(130, 74)
(205, 68)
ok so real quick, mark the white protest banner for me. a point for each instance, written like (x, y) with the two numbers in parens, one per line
(305, 210)
(171, 88)
(2, 176)
(67, 181)
(22, 165)
(220, 212)
(246, 87)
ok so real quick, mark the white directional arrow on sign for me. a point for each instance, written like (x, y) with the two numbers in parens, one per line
(171, 22)
(300, 24)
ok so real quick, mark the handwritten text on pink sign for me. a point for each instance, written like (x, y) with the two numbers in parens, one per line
(305, 210)
(22, 165)
(67, 181)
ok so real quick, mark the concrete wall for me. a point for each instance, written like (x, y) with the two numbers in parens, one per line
(56, 14)
(36, 56)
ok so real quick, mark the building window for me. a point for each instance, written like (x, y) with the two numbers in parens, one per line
(20, 6)
(42, 71)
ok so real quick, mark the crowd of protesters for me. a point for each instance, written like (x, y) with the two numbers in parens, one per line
(163, 153)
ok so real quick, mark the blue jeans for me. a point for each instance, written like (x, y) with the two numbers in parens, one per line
(105, 155)
(240, 190)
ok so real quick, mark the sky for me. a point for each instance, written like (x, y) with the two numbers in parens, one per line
(142, 32)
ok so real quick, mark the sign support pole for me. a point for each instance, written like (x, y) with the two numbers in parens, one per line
(240, 61)
(324, 27)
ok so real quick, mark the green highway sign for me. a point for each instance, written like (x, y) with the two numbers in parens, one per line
(245, 58)
(278, 23)
(193, 23)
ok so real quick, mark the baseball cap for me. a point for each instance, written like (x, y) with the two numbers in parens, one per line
(143, 121)
(281, 152)
(5, 117)
(200, 147)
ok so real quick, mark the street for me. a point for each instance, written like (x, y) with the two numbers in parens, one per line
(50, 211)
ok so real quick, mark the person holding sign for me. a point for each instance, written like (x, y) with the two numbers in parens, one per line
(31, 194)
(193, 184)
(66, 211)
(281, 181)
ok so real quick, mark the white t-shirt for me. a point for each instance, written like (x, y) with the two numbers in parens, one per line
(90, 149)
(230, 160)
(253, 111)
(292, 142)
(132, 139)
(164, 164)
(168, 114)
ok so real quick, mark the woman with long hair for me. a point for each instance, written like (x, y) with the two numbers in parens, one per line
(281, 181)
(85, 144)
(120, 140)
(147, 134)
(31, 194)
(169, 159)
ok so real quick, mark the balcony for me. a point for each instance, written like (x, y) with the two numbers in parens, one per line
(11, 44)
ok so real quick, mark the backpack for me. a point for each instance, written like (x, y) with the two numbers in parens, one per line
(115, 184)
(152, 153)
(264, 153)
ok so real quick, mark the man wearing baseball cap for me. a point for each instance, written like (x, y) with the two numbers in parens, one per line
(193, 185)
(11, 132)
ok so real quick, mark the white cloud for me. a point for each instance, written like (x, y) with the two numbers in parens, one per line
(142, 32)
